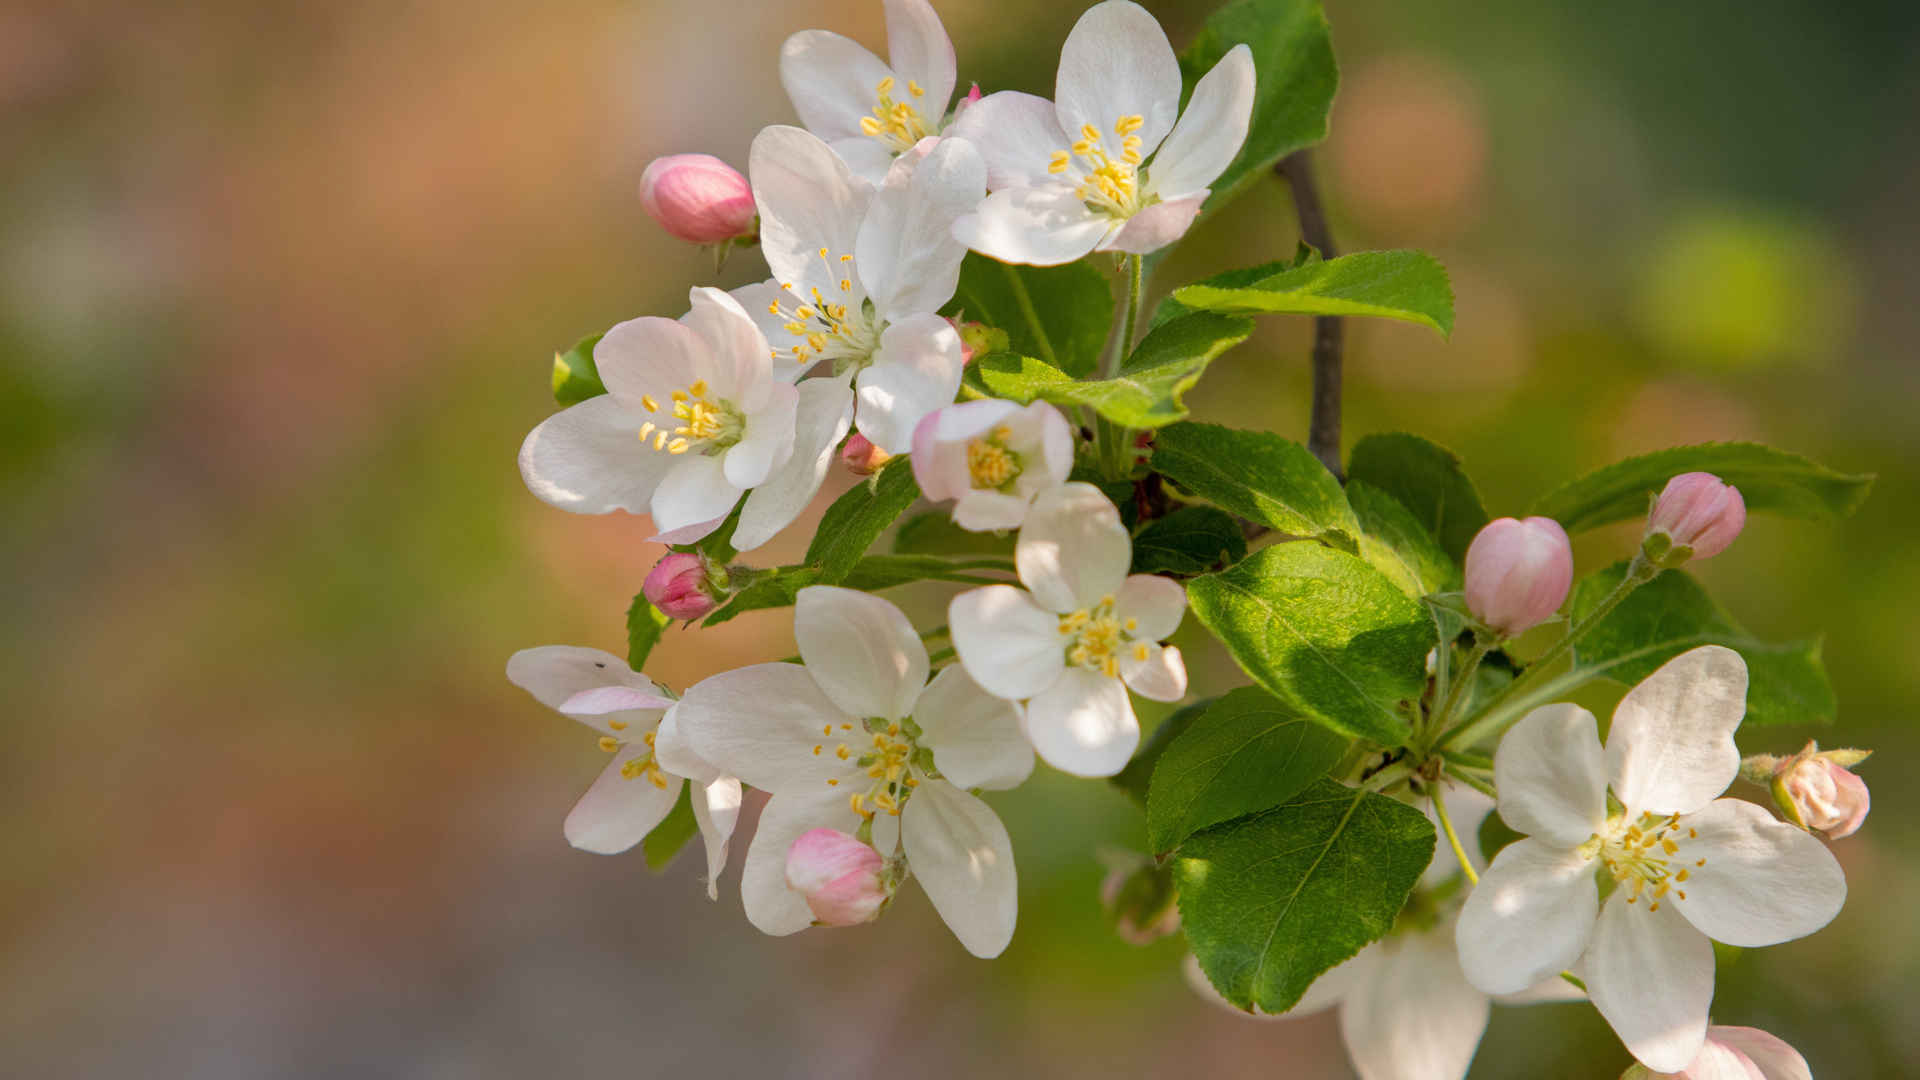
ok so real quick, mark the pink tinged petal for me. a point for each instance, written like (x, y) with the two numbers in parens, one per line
(1529, 918)
(1054, 461)
(1770, 1054)
(919, 49)
(772, 906)
(915, 372)
(588, 459)
(737, 351)
(650, 357)
(866, 157)
(1518, 572)
(602, 700)
(694, 490)
(906, 253)
(697, 198)
(1083, 724)
(989, 511)
(1011, 646)
(1043, 225)
(556, 674)
(1552, 775)
(1117, 62)
(675, 753)
(1700, 511)
(618, 812)
(755, 300)
(861, 650)
(960, 853)
(1415, 1017)
(808, 200)
(1155, 603)
(838, 876)
(1671, 746)
(832, 82)
(1716, 1062)
(940, 444)
(1211, 131)
(1650, 974)
(1156, 226)
(1155, 672)
(1763, 881)
(823, 412)
(975, 737)
(687, 534)
(716, 810)
(1073, 551)
(761, 724)
(767, 442)
(1016, 133)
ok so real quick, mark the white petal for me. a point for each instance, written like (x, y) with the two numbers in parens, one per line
(1671, 744)
(1016, 133)
(1545, 992)
(556, 674)
(1716, 1062)
(736, 348)
(617, 813)
(1083, 724)
(761, 723)
(694, 490)
(1154, 603)
(975, 737)
(1116, 62)
(861, 650)
(823, 414)
(866, 157)
(650, 356)
(1157, 226)
(1650, 973)
(1210, 132)
(755, 299)
(915, 373)
(1010, 645)
(960, 853)
(919, 49)
(1552, 775)
(589, 459)
(1776, 1060)
(940, 444)
(808, 200)
(601, 700)
(772, 906)
(1416, 1017)
(767, 442)
(1155, 672)
(1044, 225)
(716, 810)
(832, 81)
(1337, 982)
(675, 753)
(906, 253)
(990, 511)
(1763, 882)
(1529, 917)
(1073, 552)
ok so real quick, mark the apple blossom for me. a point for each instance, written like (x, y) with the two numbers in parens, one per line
(678, 585)
(698, 198)
(1735, 1053)
(869, 110)
(839, 876)
(857, 740)
(1104, 166)
(1695, 517)
(1687, 868)
(1817, 789)
(1518, 573)
(861, 457)
(640, 785)
(992, 456)
(1079, 635)
(692, 419)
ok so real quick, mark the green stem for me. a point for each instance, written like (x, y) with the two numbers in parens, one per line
(1446, 824)
(1112, 439)
(1458, 693)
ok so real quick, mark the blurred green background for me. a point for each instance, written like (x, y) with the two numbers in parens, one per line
(278, 288)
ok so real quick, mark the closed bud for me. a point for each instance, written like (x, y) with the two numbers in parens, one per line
(698, 198)
(1141, 899)
(839, 877)
(1518, 573)
(1743, 1052)
(681, 586)
(861, 457)
(1695, 517)
(973, 95)
(1817, 790)
(979, 339)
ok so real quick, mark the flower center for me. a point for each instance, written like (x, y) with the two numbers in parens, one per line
(638, 767)
(1097, 637)
(717, 423)
(1110, 184)
(1646, 857)
(824, 329)
(891, 757)
(991, 465)
(896, 124)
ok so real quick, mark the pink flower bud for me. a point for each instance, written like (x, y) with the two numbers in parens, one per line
(1743, 1052)
(838, 875)
(678, 586)
(698, 198)
(1518, 573)
(978, 338)
(1699, 512)
(1821, 794)
(861, 457)
(973, 95)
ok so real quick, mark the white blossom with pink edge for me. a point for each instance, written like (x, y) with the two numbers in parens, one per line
(1078, 636)
(640, 785)
(1104, 166)
(1688, 868)
(1735, 1053)
(992, 457)
(869, 110)
(856, 735)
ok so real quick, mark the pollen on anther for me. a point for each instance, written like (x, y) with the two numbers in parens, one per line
(1682, 875)
(609, 743)
(831, 782)
(1669, 847)
(1701, 862)
(817, 750)
(648, 403)
(1693, 834)
(617, 725)
(826, 729)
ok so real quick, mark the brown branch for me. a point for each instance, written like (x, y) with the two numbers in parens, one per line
(1323, 431)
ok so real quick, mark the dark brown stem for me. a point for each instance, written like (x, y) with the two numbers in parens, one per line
(1323, 432)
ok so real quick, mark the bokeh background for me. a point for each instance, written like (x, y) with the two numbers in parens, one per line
(279, 284)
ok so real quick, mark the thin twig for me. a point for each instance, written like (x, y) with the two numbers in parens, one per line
(1323, 432)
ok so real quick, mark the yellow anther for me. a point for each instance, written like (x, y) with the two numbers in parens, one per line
(1127, 125)
(1082, 148)
(846, 258)
(1682, 875)
(678, 446)
(648, 403)
(843, 753)
(609, 743)
(831, 782)
(698, 389)
(679, 395)
(817, 750)
(660, 441)
(647, 738)
(885, 87)
(823, 253)
(1060, 161)
(621, 725)
(1140, 652)
(846, 284)
(915, 89)
(646, 430)
(773, 308)
(869, 126)
(1669, 847)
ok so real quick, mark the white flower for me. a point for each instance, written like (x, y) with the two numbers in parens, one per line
(869, 110)
(693, 418)
(860, 274)
(858, 735)
(639, 786)
(1084, 633)
(1081, 173)
(1687, 868)
(994, 457)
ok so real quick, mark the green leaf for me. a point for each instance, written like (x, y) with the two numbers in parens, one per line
(1060, 314)
(1270, 902)
(1768, 479)
(1410, 286)
(777, 587)
(1249, 752)
(1296, 72)
(1191, 540)
(1257, 475)
(673, 832)
(1169, 308)
(934, 533)
(646, 624)
(1149, 388)
(1398, 545)
(1427, 479)
(1325, 632)
(1135, 778)
(856, 520)
(575, 378)
(1787, 683)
